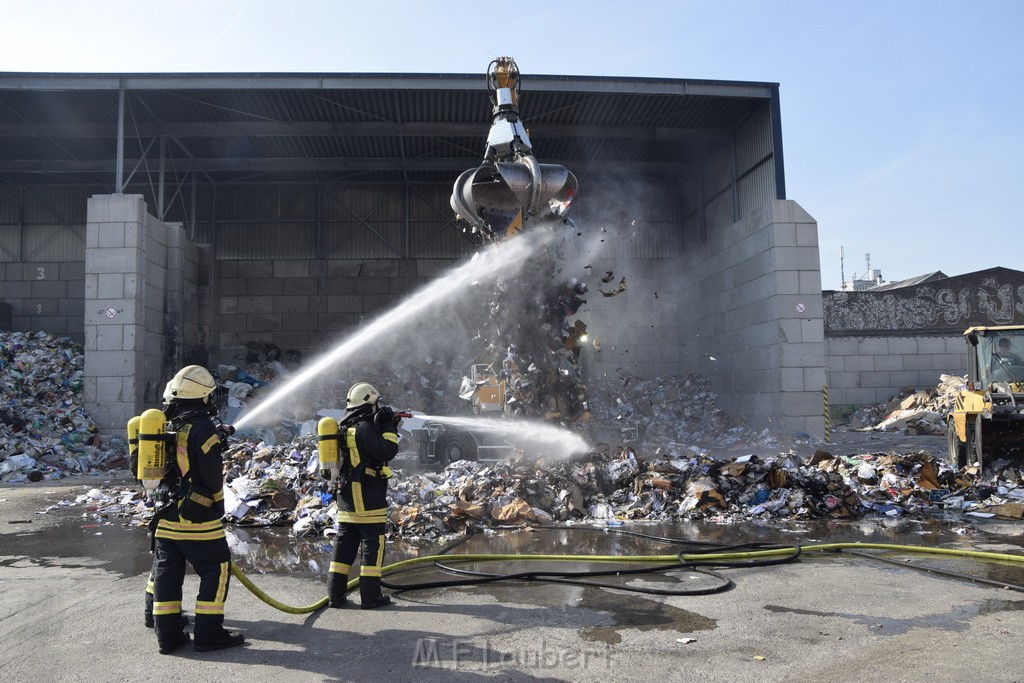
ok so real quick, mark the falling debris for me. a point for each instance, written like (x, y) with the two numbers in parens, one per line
(618, 290)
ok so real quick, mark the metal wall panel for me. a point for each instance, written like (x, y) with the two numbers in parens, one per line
(757, 188)
(53, 243)
(362, 240)
(718, 213)
(10, 243)
(56, 205)
(754, 140)
(265, 241)
(718, 170)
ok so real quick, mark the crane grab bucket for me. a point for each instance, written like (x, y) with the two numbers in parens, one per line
(510, 187)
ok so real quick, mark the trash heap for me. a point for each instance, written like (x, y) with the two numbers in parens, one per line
(667, 414)
(45, 432)
(912, 411)
(624, 487)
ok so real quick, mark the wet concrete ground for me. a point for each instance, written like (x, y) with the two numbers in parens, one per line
(71, 588)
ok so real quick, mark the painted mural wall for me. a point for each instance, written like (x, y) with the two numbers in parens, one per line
(988, 297)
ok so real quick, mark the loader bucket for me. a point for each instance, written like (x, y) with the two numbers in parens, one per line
(493, 196)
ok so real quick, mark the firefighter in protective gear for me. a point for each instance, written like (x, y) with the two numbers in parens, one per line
(148, 612)
(190, 528)
(368, 442)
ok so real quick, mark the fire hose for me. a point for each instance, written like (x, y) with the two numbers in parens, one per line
(736, 556)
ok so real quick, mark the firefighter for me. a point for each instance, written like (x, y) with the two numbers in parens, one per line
(189, 528)
(149, 584)
(368, 441)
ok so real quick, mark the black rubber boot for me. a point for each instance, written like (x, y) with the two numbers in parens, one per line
(369, 593)
(374, 603)
(221, 641)
(169, 636)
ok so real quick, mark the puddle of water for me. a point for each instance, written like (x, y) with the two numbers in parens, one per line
(956, 619)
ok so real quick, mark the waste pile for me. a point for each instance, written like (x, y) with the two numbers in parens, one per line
(912, 411)
(667, 414)
(45, 432)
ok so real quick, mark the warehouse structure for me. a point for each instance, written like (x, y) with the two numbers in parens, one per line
(166, 219)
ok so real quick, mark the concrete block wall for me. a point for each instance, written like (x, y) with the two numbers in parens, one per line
(638, 331)
(131, 259)
(869, 370)
(45, 297)
(307, 305)
(756, 319)
(743, 308)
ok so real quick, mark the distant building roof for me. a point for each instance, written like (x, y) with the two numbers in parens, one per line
(909, 282)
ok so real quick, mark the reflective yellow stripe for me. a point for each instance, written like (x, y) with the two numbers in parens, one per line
(182, 449)
(340, 568)
(380, 552)
(357, 497)
(150, 586)
(219, 496)
(390, 436)
(222, 584)
(180, 536)
(369, 571)
(185, 525)
(353, 450)
(209, 607)
(201, 499)
(355, 518)
(173, 607)
(210, 443)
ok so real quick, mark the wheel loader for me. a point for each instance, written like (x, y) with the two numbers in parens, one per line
(987, 418)
(440, 444)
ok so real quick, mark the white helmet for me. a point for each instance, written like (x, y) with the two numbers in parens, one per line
(361, 394)
(192, 381)
(168, 396)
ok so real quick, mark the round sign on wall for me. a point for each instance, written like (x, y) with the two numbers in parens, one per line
(110, 312)
(800, 307)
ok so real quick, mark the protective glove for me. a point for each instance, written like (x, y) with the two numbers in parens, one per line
(325, 473)
(384, 419)
(397, 422)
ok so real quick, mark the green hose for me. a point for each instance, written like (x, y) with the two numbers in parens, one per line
(704, 558)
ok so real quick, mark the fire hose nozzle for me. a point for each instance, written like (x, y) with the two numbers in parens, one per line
(403, 414)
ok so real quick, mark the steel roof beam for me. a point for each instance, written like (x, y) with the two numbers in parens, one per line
(215, 165)
(368, 129)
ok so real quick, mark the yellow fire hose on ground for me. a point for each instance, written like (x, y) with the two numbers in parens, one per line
(635, 559)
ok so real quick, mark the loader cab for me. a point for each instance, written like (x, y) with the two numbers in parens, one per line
(987, 416)
(999, 355)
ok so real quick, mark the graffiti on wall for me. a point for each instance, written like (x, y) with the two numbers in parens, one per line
(991, 297)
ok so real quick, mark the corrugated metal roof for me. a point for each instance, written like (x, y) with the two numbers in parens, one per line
(271, 128)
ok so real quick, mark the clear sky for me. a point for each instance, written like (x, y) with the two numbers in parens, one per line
(902, 120)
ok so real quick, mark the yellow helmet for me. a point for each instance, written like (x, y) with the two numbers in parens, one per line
(192, 381)
(361, 394)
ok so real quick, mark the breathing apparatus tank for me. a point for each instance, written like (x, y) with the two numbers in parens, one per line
(133, 444)
(327, 441)
(152, 448)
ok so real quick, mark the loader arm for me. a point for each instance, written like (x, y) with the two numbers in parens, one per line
(510, 187)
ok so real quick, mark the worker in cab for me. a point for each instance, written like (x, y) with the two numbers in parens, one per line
(368, 440)
(189, 528)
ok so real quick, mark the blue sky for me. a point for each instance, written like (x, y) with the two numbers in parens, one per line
(902, 121)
